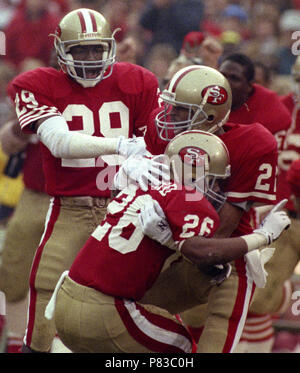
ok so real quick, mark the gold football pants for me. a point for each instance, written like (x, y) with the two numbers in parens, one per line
(69, 223)
(90, 321)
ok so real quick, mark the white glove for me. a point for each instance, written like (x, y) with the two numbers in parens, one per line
(128, 147)
(154, 223)
(143, 171)
(256, 261)
(274, 223)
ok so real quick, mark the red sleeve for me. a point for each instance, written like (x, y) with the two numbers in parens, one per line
(32, 101)
(188, 214)
(255, 182)
(253, 158)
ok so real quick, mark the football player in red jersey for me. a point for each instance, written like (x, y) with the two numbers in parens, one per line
(91, 107)
(251, 102)
(204, 95)
(273, 299)
(119, 263)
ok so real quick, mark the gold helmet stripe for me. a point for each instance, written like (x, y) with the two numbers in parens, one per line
(87, 21)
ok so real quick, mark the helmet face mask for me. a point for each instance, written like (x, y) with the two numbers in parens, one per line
(85, 28)
(214, 194)
(198, 160)
(81, 69)
(168, 125)
(202, 90)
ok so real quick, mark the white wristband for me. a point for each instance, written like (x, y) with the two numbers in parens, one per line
(255, 241)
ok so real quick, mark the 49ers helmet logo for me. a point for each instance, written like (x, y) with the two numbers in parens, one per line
(192, 155)
(217, 94)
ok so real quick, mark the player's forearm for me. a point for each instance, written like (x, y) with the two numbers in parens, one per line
(211, 251)
(62, 143)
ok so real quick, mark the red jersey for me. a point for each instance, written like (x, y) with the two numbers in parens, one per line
(253, 158)
(119, 260)
(291, 150)
(118, 105)
(264, 106)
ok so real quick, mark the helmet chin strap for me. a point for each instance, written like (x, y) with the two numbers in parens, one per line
(201, 111)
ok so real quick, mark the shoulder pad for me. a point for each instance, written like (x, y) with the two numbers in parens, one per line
(46, 81)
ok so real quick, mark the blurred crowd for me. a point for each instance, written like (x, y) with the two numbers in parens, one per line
(152, 32)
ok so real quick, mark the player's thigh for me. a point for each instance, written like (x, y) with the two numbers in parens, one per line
(71, 230)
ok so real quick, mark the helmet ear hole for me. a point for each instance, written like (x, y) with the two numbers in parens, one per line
(211, 118)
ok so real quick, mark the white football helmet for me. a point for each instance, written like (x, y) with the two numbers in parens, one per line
(204, 91)
(85, 27)
(198, 159)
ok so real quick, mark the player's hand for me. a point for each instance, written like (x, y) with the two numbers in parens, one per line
(143, 171)
(154, 223)
(132, 146)
(274, 223)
